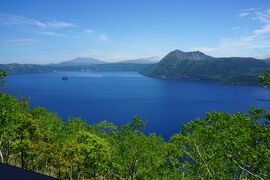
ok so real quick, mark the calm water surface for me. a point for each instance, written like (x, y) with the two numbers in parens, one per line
(118, 96)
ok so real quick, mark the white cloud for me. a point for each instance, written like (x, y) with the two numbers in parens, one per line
(46, 27)
(58, 24)
(243, 14)
(89, 31)
(15, 20)
(254, 43)
(92, 33)
(19, 41)
(251, 9)
(51, 33)
(103, 37)
(263, 30)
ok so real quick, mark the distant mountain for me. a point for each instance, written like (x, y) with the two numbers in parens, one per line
(81, 61)
(150, 60)
(196, 65)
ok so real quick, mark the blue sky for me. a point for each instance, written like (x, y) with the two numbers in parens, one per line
(51, 31)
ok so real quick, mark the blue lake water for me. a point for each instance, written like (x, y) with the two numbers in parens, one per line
(117, 96)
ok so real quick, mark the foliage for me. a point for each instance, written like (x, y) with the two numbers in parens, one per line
(2, 75)
(265, 79)
(221, 146)
(225, 146)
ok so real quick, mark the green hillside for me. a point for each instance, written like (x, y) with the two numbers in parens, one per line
(196, 65)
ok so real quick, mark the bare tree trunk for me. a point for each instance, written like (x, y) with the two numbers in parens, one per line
(1, 156)
(8, 151)
(247, 170)
(197, 148)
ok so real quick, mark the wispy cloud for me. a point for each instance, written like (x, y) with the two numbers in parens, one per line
(19, 41)
(49, 27)
(103, 37)
(51, 33)
(55, 24)
(89, 31)
(254, 43)
(252, 9)
(243, 14)
(263, 30)
(98, 36)
(15, 20)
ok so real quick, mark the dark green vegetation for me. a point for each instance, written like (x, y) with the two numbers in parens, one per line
(221, 146)
(30, 68)
(196, 65)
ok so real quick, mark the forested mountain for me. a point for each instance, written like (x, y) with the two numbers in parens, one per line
(196, 65)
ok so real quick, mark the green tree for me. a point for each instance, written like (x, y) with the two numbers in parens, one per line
(225, 146)
(3, 74)
(265, 79)
(142, 156)
(50, 140)
(96, 152)
(10, 111)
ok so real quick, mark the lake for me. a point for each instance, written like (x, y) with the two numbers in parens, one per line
(118, 96)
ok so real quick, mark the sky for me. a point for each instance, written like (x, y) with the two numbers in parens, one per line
(52, 31)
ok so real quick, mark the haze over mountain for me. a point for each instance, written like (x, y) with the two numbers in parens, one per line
(81, 61)
(149, 60)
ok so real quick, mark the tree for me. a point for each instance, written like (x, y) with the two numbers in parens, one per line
(141, 156)
(27, 136)
(265, 79)
(225, 146)
(3, 74)
(96, 152)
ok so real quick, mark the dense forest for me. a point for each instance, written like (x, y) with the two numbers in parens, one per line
(220, 146)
